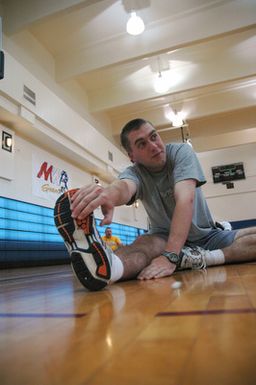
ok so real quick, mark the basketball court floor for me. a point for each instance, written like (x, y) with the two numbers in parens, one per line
(54, 332)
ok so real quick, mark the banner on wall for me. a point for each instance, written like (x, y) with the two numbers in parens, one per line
(48, 180)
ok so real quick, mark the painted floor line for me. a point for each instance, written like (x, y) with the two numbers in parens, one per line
(204, 312)
(42, 315)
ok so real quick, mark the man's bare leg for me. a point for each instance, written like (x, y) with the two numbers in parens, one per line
(243, 249)
(139, 254)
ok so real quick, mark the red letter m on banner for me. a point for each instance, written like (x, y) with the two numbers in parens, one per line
(45, 172)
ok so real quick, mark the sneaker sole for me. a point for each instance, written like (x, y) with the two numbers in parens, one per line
(67, 226)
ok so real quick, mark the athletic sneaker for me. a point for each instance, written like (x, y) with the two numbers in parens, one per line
(193, 258)
(90, 258)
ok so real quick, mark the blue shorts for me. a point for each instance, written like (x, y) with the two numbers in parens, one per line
(216, 239)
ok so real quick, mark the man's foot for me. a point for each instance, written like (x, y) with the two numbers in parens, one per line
(90, 259)
(193, 258)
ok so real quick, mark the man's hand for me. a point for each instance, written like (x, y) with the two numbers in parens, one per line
(159, 267)
(90, 197)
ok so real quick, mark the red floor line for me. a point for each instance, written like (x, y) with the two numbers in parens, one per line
(42, 315)
(204, 312)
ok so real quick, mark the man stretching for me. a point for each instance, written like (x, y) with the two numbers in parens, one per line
(183, 235)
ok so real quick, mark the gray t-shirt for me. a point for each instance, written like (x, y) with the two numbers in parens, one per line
(156, 191)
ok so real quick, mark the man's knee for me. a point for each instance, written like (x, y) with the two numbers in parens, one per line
(150, 243)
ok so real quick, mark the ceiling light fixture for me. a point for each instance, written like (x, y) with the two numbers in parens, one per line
(177, 120)
(161, 83)
(135, 25)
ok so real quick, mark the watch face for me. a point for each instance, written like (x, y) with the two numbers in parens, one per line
(173, 257)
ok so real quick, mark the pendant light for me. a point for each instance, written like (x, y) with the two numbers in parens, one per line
(135, 24)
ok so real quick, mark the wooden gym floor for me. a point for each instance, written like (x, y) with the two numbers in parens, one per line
(54, 332)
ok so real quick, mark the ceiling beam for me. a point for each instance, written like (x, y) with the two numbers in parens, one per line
(223, 19)
(19, 14)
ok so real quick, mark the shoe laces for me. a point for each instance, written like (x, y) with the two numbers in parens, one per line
(193, 258)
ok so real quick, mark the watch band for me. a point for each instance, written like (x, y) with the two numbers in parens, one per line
(172, 257)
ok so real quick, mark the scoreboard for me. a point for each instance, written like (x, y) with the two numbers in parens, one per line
(228, 172)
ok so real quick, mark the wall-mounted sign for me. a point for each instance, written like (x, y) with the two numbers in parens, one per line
(228, 172)
(7, 141)
(49, 180)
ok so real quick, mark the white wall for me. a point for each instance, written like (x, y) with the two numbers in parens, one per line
(238, 203)
(53, 118)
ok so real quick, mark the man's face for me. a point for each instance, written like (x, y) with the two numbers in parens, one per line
(147, 148)
(108, 233)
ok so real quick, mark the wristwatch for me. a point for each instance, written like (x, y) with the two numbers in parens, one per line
(173, 257)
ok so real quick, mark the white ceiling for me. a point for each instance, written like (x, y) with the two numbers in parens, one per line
(208, 45)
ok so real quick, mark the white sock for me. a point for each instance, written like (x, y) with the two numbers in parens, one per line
(117, 268)
(214, 257)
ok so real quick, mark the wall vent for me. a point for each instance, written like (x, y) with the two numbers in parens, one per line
(29, 95)
(110, 156)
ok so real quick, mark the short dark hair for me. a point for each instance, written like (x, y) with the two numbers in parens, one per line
(132, 125)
